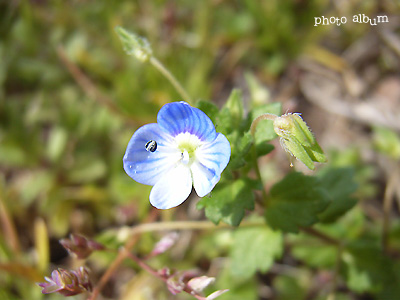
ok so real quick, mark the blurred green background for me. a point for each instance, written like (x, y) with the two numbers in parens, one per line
(70, 99)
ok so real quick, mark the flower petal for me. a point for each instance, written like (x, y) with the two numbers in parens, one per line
(180, 117)
(172, 189)
(148, 167)
(211, 160)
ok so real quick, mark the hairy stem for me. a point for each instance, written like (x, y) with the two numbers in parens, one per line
(258, 172)
(159, 66)
(260, 118)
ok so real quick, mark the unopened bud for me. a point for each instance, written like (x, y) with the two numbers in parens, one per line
(298, 140)
(67, 283)
(134, 45)
(198, 284)
(164, 244)
(80, 246)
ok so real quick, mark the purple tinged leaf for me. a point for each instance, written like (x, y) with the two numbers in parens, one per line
(198, 284)
(216, 294)
(175, 285)
(164, 244)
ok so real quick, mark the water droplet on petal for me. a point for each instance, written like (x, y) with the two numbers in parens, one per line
(185, 157)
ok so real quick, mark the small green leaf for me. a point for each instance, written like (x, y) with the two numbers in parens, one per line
(295, 201)
(230, 118)
(265, 130)
(240, 147)
(255, 249)
(367, 269)
(289, 287)
(264, 149)
(58, 139)
(387, 142)
(235, 107)
(314, 253)
(88, 170)
(239, 289)
(228, 202)
(134, 45)
(209, 108)
(340, 184)
(259, 94)
(223, 122)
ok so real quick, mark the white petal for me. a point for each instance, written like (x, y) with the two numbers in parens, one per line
(211, 160)
(172, 189)
(204, 179)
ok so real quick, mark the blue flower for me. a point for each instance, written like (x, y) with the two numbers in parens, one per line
(180, 150)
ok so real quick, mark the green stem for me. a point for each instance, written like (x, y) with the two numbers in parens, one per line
(254, 150)
(332, 294)
(322, 236)
(254, 124)
(159, 66)
(185, 225)
(258, 172)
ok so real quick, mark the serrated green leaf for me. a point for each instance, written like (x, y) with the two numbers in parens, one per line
(340, 184)
(228, 202)
(316, 255)
(295, 201)
(367, 269)
(255, 249)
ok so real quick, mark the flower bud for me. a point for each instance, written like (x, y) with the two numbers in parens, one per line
(298, 140)
(164, 244)
(198, 284)
(67, 283)
(80, 246)
(134, 45)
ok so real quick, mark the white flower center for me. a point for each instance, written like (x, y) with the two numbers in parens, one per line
(187, 144)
